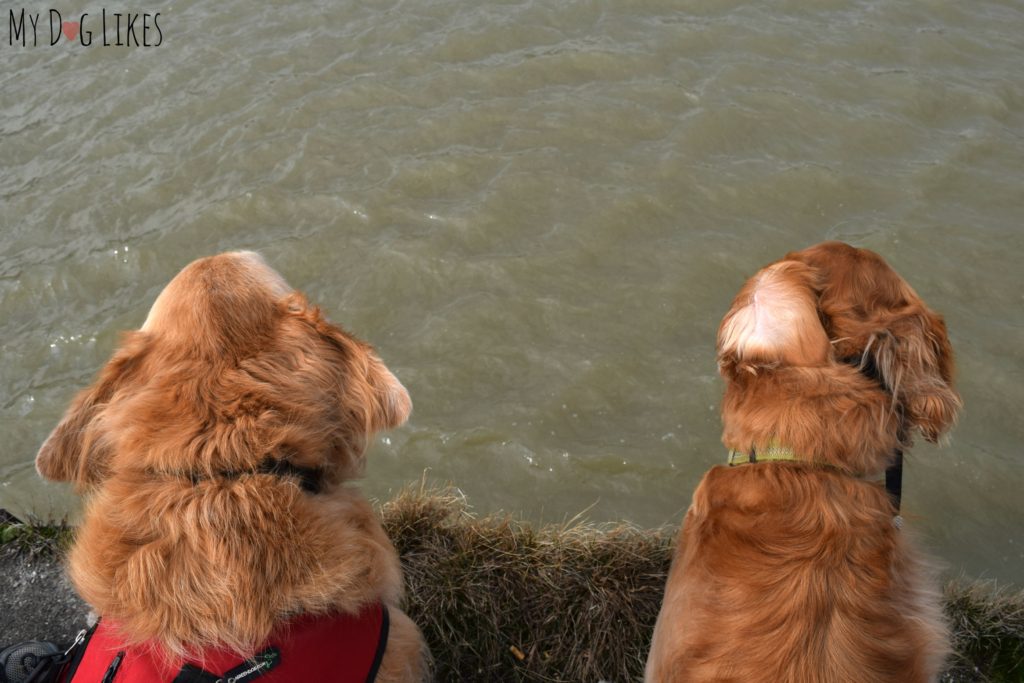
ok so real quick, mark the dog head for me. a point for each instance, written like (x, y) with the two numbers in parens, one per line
(230, 368)
(877, 322)
(784, 386)
(831, 353)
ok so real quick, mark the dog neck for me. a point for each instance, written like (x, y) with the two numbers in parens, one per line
(775, 452)
(829, 414)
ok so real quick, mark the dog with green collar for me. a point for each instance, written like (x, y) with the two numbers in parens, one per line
(789, 566)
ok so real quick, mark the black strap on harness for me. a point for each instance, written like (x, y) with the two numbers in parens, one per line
(249, 669)
(382, 643)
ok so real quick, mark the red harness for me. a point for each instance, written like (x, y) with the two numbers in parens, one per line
(333, 648)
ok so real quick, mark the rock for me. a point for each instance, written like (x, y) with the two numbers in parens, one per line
(36, 600)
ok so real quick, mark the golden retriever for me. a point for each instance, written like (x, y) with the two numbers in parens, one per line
(212, 450)
(789, 568)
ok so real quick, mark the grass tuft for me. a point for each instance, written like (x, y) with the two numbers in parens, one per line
(988, 632)
(36, 538)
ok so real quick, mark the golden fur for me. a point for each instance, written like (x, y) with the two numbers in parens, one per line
(185, 544)
(793, 572)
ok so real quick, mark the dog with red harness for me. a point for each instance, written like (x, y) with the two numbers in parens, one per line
(219, 540)
(335, 647)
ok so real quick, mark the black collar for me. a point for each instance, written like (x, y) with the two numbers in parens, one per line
(894, 479)
(893, 473)
(311, 479)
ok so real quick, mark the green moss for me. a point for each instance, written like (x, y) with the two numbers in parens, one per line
(36, 537)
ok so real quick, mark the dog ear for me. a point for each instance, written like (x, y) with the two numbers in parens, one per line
(372, 392)
(78, 449)
(878, 322)
(908, 350)
(391, 402)
(773, 322)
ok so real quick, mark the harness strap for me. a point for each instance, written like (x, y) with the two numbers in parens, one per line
(250, 668)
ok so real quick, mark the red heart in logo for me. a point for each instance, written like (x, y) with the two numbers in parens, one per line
(70, 29)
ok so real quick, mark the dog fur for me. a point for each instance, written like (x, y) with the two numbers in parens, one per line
(794, 572)
(185, 544)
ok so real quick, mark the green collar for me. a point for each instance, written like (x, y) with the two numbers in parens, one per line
(778, 453)
(773, 453)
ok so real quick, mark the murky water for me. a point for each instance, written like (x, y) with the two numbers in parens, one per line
(538, 212)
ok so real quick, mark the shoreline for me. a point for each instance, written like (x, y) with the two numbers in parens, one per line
(500, 599)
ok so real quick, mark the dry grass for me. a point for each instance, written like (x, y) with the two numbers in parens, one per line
(500, 600)
(988, 632)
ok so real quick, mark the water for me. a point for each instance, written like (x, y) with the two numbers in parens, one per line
(538, 212)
